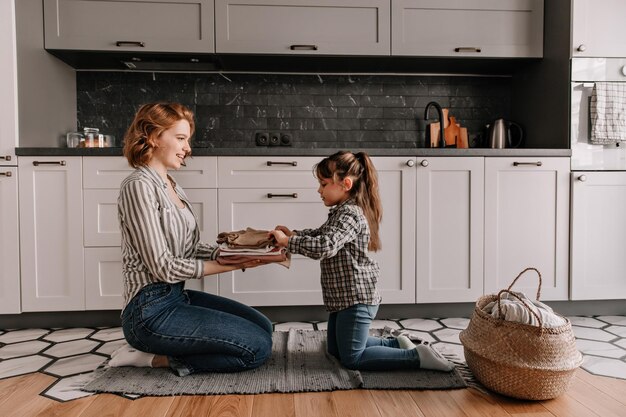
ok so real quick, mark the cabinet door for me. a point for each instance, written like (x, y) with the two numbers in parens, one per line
(324, 27)
(397, 230)
(598, 28)
(51, 233)
(272, 285)
(9, 242)
(8, 84)
(480, 28)
(130, 25)
(449, 248)
(598, 235)
(104, 286)
(527, 224)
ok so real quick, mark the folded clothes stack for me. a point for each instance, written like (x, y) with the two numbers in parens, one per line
(242, 246)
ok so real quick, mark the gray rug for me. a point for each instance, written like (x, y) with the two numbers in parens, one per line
(299, 363)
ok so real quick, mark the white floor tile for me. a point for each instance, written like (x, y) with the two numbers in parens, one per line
(586, 322)
(606, 367)
(75, 365)
(109, 347)
(67, 389)
(592, 347)
(616, 330)
(617, 320)
(456, 323)
(68, 334)
(592, 334)
(22, 335)
(448, 335)
(284, 327)
(22, 349)
(381, 324)
(74, 347)
(106, 335)
(425, 325)
(21, 366)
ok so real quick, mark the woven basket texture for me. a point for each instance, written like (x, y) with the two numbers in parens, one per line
(519, 360)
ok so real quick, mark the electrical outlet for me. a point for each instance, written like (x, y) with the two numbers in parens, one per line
(285, 139)
(274, 139)
(262, 139)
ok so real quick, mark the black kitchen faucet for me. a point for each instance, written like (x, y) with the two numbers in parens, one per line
(442, 139)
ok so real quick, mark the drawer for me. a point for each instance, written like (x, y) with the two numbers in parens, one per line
(267, 172)
(109, 172)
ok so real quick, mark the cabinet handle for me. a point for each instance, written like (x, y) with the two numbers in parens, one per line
(292, 195)
(303, 47)
(467, 49)
(6, 174)
(538, 163)
(424, 163)
(37, 163)
(130, 43)
(292, 163)
(582, 178)
(410, 163)
(582, 47)
(6, 158)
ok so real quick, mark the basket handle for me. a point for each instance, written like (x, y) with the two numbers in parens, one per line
(522, 301)
(521, 273)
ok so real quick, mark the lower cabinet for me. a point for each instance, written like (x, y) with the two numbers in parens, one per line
(598, 228)
(449, 241)
(51, 233)
(9, 242)
(527, 224)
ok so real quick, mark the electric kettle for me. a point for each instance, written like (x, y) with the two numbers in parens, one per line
(499, 134)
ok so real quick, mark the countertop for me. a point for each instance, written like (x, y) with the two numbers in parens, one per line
(288, 151)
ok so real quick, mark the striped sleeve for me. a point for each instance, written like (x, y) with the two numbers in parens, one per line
(140, 215)
(206, 251)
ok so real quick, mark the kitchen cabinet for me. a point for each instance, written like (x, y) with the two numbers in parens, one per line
(476, 29)
(281, 190)
(130, 25)
(9, 217)
(598, 235)
(9, 242)
(449, 240)
(527, 224)
(51, 230)
(310, 27)
(102, 178)
(598, 28)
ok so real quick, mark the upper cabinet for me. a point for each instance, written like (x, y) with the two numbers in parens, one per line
(477, 28)
(598, 28)
(130, 25)
(324, 27)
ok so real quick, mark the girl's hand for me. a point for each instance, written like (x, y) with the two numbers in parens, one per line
(285, 230)
(282, 239)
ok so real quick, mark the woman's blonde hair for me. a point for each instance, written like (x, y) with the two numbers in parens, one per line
(359, 167)
(150, 121)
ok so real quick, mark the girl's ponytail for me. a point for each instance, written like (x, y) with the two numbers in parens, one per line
(360, 168)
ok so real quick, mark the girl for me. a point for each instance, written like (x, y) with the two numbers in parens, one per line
(348, 183)
(166, 325)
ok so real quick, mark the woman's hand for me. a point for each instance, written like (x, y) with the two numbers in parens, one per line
(282, 239)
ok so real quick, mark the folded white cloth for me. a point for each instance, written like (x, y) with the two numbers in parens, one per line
(608, 113)
(514, 310)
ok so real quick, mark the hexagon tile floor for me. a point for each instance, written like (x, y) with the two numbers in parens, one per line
(71, 355)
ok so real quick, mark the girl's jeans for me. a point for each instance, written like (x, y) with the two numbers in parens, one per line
(195, 330)
(349, 341)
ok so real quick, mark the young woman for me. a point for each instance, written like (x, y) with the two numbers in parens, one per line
(348, 183)
(164, 324)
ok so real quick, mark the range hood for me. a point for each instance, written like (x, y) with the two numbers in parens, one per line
(184, 62)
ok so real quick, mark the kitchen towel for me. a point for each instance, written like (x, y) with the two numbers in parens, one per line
(299, 363)
(608, 113)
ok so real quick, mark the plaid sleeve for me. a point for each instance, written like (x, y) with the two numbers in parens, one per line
(333, 236)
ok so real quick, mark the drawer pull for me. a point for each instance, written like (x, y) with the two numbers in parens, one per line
(292, 163)
(467, 49)
(538, 163)
(6, 174)
(37, 163)
(303, 47)
(6, 158)
(292, 195)
(130, 43)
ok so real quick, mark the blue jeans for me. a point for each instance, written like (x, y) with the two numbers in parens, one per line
(198, 332)
(349, 341)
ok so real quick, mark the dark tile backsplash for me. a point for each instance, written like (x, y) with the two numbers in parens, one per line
(319, 111)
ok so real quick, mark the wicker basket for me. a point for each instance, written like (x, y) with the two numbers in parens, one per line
(520, 360)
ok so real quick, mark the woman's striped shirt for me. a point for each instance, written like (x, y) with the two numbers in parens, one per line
(158, 244)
